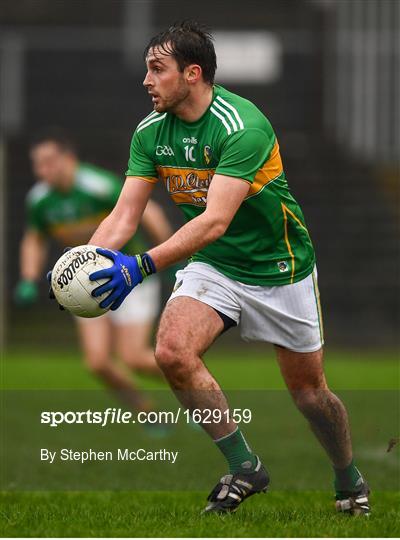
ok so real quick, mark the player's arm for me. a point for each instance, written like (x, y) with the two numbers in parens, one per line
(225, 195)
(33, 254)
(243, 154)
(121, 224)
(224, 198)
(155, 223)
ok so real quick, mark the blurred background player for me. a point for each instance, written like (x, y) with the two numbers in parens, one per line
(67, 204)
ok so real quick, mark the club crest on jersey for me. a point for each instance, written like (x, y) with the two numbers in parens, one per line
(283, 266)
(207, 154)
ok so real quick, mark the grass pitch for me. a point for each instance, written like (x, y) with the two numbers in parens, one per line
(279, 514)
(299, 511)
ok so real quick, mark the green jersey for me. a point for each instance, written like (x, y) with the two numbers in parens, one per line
(71, 217)
(267, 242)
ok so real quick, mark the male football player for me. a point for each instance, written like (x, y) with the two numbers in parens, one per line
(251, 260)
(67, 204)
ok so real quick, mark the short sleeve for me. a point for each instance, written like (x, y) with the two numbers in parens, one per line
(244, 153)
(140, 164)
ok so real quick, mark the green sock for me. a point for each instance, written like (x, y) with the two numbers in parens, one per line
(237, 452)
(347, 479)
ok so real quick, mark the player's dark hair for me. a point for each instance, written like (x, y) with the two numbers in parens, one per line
(189, 43)
(55, 135)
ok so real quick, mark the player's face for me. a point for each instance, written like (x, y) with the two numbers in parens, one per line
(49, 163)
(164, 82)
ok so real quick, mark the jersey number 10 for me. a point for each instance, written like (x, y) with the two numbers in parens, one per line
(189, 153)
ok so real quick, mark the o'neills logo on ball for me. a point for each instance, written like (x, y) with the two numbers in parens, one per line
(69, 272)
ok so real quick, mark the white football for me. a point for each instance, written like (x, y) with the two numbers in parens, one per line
(71, 284)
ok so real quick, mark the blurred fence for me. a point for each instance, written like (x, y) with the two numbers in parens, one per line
(326, 75)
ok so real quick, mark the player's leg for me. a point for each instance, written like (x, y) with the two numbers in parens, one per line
(290, 317)
(304, 376)
(187, 328)
(133, 324)
(132, 344)
(96, 342)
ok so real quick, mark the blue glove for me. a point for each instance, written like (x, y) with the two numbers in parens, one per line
(127, 272)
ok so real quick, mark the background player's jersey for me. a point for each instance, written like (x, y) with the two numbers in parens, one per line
(267, 242)
(72, 217)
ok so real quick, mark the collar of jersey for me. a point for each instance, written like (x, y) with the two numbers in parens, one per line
(200, 120)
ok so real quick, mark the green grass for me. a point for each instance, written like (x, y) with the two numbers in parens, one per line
(244, 369)
(124, 514)
(300, 503)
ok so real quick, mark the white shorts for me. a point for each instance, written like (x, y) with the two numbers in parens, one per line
(142, 305)
(286, 315)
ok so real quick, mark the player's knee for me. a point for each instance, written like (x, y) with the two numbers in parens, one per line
(309, 400)
(97, 364)
(131, 359)
(166, 355)
(171, 358)
(138, 359)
